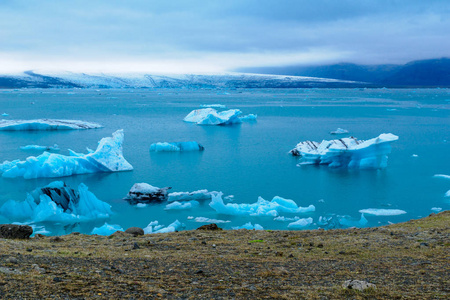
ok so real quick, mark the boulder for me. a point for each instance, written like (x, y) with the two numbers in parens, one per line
(11, 231)
(358, 285)
(135, 231)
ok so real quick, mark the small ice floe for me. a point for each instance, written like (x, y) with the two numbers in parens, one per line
(447, 194)
(249, 226)
(210, 116)
(176, 147)
(106, 229)
(141, 205)
(382, 212)
(181, 205)
(260, 208)
(208, 220)
(436, 209)
(339, 131)
(391, 109)
(190, 217)
(199, 195)
(55, 147)
(347, 152)
(442, 176)
(213, 106)
(145, 193)
(5, 114)
(286, 219)
(348, 222)
(46, 124)
(249, 118)
(414, 155)
(301, 223)
(57, 202)
(107, 158)
(155, 227)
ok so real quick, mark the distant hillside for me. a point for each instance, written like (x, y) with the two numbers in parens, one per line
(422, 73)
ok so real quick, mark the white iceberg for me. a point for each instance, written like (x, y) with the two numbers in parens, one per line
(57, 202)
(176, 147)
(187, 196)
(286, 219)
(55, 147)
(155, 227)
(46, 124)
(106, 229)
(436, 209)
(208, 220)
(179, 205)
(347, 152)
(301, 223)
(260, 208)
(210, 116)
(339, 131)
(382, 212)
(249, 226)
(146, 193)
(107, 158)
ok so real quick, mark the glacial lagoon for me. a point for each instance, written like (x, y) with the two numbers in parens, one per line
(243, 161)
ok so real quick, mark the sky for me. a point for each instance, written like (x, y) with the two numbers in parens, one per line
(210, 36)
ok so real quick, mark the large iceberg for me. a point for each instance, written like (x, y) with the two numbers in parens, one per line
(57, 202)
(46, 124)
(210, 116)
(146, 193)
(347, 152)
(260, 208)
(107, 158)
(176, 147)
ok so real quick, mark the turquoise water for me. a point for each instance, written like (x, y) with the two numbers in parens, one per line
(246, 160)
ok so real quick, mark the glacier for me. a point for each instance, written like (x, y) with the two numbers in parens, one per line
(55, 147)
(187, 196)
(249, 226)
(178, 205)
(176, 147)
(347, 152)
(57, 202)
(155, 227)
(260, 208)
(107, 158)
(210, 116)
(382, 212)
(106, 229)
(146, 193)
(46, 124)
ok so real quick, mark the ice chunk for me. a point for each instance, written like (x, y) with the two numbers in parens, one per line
(345, 221)
(208, 220)
(177, 147)
(184, 205)
(210, 116)
(447, 194)
(260, 208)
(442, 176)
(436, 209)
(106, 229)
(57, 202)
(248, 118)
(382, 212)
(107, 158)
(155, 227)
(196, 195)
(301, 223)
(347, 152)
(5, 114)
(213, 105)
(285, 219)
(146, 193)
(339, 131)
(249, 226)
(46, 124)
(40, 148)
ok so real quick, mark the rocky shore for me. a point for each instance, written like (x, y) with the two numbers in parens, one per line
(401, 261)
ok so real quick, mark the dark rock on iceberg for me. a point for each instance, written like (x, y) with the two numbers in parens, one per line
(146, 193)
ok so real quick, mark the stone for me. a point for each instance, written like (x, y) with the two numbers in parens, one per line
(211, 226)
(135, 231)
(357, 285)
(9, 271)
(12, 260)
(11, 231)
(56, 239)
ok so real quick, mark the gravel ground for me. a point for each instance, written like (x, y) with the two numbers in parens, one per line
(404, 261)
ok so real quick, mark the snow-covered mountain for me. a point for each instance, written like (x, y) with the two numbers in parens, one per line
(35, 79)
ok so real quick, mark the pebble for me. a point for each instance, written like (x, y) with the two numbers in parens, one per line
(57, 279)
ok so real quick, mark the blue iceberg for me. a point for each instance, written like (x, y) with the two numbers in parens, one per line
(301, 223)
(106, 229)
(57, 202)
(155, 227)
(179, 205)
(176, 147)
(347, 152)
(210, 116)
(260, 208)
(249, 226)
(107, 158)
(46, 124)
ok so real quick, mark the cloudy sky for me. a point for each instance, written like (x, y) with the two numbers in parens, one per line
(217, 35)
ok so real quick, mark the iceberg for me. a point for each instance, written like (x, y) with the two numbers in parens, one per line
(260, 208)
(436, 209)
(176, 147)
(382, 212)
(347, 222)
(178, 205)
(146, 193)
(55, 147)
(5, 114)
(301, 223)
(107, 158)
(447, 194)
(339, 131)
(208, 220)
(46, 124)
(249, 226)
(106, 229)
(442, 176)
(285, 219)
(57, 202)
(187, 196)
(213, 105)
(347, 152)
(248, 118)
(210, 116)
(155, 227)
